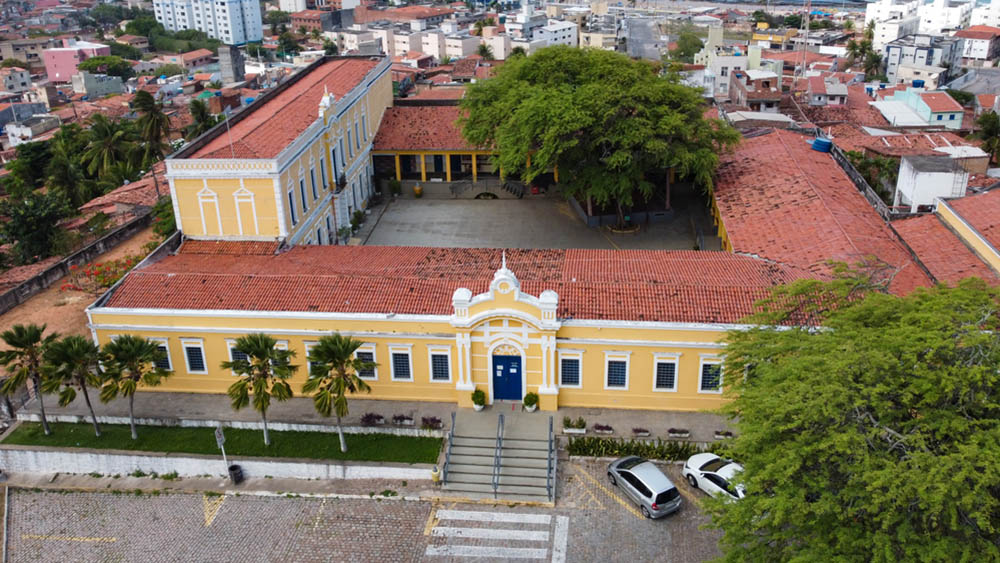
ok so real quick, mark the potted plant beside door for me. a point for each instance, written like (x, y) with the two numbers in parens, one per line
(478, 399)
(531, 402)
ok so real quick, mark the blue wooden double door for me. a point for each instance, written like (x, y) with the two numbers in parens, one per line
(507, 378)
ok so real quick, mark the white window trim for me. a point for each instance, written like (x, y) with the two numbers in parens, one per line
(368, 348)
(667, 359)
(438, 350)
(400, 349)
(708, 360)
(617, 357)
(165, 342)
(194, 343)
(570, 355)
(230, 344)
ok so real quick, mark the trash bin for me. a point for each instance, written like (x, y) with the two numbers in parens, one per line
(236, 474)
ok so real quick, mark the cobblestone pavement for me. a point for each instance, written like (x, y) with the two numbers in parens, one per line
(592, 522)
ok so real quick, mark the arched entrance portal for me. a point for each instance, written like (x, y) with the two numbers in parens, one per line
(507, 373)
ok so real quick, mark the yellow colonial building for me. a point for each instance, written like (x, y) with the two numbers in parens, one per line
(598, 328)
(258, 200)
(293, 166)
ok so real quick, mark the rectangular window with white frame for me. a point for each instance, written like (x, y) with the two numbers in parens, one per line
(710, 375)
(291, 207)
(194, 355)
(366, 353)
(616, 370)
(234, 354)
(312, 365)
(312, 180)
(302, 195)
(439, 364)
(401, 362)
(163, 346)
(570, 368)
(665, 372)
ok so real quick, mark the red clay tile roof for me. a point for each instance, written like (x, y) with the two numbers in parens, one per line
(141, 192)
(636, 285)
(197, 54)
(222, 247)
(982, 212)
(783, 201)
(856, 110)
(986, 100)
(940, 101)
(795, 57)
(444, 93)
(941, 251)
(420, 128)
(976, 34)
(465, 68)
(274, 124)
(852, 138)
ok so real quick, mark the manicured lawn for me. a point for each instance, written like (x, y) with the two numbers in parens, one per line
(247, 443)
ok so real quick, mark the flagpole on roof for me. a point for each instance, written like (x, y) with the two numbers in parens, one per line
(226, 111)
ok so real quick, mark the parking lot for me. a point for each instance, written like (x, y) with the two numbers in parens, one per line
(591, 522)
(522, 223)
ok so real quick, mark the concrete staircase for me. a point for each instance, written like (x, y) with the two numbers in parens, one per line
(523, 456)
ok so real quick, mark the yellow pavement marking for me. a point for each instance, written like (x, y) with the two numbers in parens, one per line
(609, 492)
(67, 538)
(319, 514)
(431, 519)
(690, 497)
(580, 493)
(211, 506)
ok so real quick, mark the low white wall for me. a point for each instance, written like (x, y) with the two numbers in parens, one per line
(51, 460)
(250, 425)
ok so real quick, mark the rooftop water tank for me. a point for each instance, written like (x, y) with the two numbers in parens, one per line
(918, 83)
(822, 145)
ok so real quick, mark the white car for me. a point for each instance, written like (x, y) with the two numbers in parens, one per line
(713, 475)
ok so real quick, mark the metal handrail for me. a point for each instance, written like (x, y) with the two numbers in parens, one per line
(550, 473)
(496, 456)
(447, 453)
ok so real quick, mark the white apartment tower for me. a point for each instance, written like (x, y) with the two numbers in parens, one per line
(987, 14)
(233, 22)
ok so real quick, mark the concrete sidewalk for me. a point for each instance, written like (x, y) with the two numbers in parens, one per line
(172, 408)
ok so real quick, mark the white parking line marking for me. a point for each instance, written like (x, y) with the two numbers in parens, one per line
(474, 516)
(477, 551)
(491, 534)
(562, 534)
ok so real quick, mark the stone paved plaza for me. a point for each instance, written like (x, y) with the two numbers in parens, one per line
(591, 522)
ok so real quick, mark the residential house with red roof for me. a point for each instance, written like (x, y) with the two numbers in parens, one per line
(979, 43)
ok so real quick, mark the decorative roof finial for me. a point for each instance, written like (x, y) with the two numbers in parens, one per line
(325, 91)
(504, 265)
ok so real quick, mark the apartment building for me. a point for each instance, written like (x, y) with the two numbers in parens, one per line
(941, 15)
(925, 50)
(61, 62)
(233, 22)
(15, 79)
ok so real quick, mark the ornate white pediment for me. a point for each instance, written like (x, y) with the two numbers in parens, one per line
(505, 298)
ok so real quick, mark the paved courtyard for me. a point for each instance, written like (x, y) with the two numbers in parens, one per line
(591, 522)
(521, 223)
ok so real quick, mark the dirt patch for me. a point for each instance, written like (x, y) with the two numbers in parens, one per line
(63, 311)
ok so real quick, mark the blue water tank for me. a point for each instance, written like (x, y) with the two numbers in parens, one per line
(918, 83)
(822, 145)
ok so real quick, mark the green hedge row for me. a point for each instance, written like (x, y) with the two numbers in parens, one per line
(665, 450)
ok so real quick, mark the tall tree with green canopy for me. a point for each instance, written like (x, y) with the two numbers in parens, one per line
(107, 64)
(263, 370)
(154, 127)
(201, 119)
(70, 364)
(31, 224)
(873, 438)
(65, 172)
(23, 360)
(333, 372)
(110, 142)
(687, 45)
(989, 132)
(131, 361)
(606, 121)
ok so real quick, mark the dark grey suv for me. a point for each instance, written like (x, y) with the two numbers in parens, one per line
(645, 484)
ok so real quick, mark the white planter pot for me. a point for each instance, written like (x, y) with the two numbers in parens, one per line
(531, 408)
(406, 422)
(641, 434)
(604, 431)
(678, 434)
(574, 430)
(478, 407)
(721, 436)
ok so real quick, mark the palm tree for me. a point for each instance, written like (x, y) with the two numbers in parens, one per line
(989, 132)
(315, 33)
(65, 174)
(23, 361)
(518, 51)
(263, 369)
(853, 48)
(203, 120)
(848, 25)
(110, 143)
(872, 65)
(70, 364)
(485, 51)
(333, 372)
(130, 361)
(154, 127)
